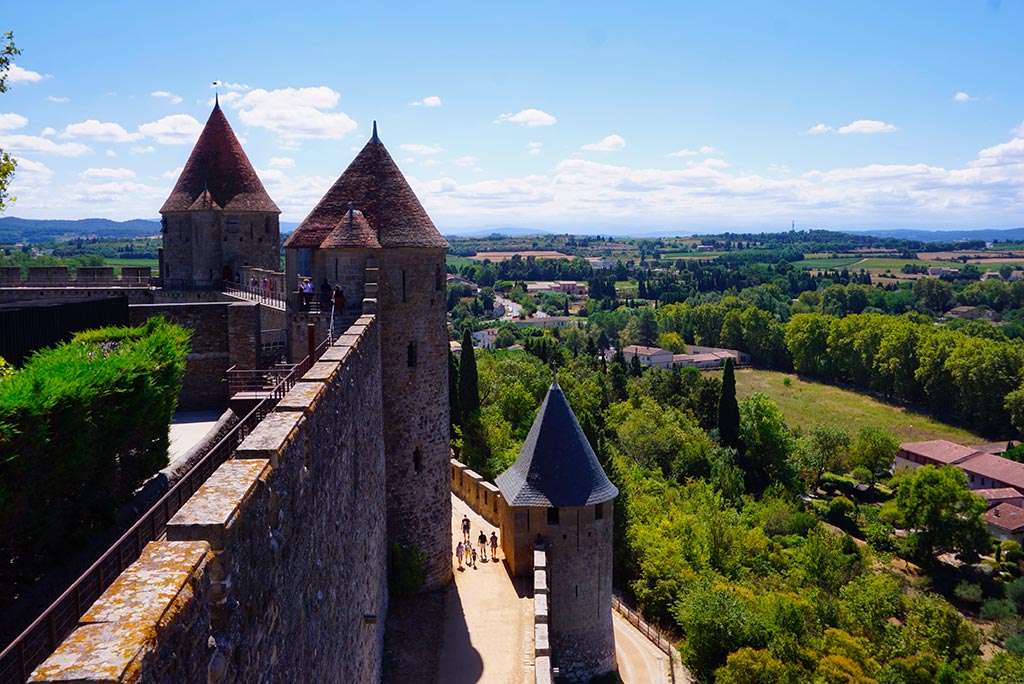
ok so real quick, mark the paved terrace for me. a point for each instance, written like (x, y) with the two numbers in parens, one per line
(489, 624)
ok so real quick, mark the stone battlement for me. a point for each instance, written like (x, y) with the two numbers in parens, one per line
(91, 276)
(275, 570)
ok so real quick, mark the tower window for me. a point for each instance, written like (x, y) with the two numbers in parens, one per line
(417, 460)
(232, 224)
(266, 225)
(553, 516)
(438, 282)
(403, 287)
(599, 511)
(411, 355)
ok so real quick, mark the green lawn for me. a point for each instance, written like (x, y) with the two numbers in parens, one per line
(458, 261)
(806, 403)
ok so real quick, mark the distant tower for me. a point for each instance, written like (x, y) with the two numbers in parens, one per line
(218, 217)
(557, 491)
(371, 218)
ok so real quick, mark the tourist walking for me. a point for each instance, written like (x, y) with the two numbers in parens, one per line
(494, 546)
(482, 541)
(465, 528)
(458, 554)
(474, 558)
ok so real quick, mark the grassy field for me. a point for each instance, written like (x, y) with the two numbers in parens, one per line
(806, 403)
(118, 263)
(458, 261)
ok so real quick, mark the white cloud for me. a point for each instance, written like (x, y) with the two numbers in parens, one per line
(107, 174)
(686, 152)
(610, 143)
(111, 153)
(294, 194)
(293, 113)
(430, 162)
(16, 74)
(176, 129)
(963, 97)
(528, 117)
(281, 163)
(535, 147)
(710, 163)
(819, 129)
(165, 95)
(866, 126)
(32, 143)
(32, 171)
(140, 149)
(1019, 130)
(465, 161)
(60, 100)
(9, 122)
(231, 86)
(417, 148)
(432, 101)
(99, 130)
(48, 131)
(172, 174)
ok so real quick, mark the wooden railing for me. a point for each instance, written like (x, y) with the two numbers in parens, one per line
(42, 637)
(255, 294)
(653, 634)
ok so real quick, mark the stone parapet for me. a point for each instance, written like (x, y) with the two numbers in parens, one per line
(273, 571)
(482, 496)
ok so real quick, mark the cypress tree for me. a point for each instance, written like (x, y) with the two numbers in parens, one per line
(729, 410)
(454, 405)
(469, 383)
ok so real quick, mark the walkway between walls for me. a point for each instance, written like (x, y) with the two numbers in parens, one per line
(488, 632)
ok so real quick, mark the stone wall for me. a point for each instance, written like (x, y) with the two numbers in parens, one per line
(223, 334)
(482, 496)
(274, 571)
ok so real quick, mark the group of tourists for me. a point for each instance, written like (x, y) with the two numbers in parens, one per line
(465, 551)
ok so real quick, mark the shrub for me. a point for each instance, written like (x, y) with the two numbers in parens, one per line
(407, 570)
(998, 609)
(1015, 592)
(82, 426)
(968, 592)
(839, 510)
(1015, 645)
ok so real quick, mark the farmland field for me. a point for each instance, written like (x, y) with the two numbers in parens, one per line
(118, 263)
(805, 403)
(825, 263)
(536, 253)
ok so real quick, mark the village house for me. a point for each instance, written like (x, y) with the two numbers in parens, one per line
(967, 313)
(570, 287)
(934, 452)
(648, 356)
(1002, 495)
(984, 471)
(940, 271)
(485, 339)
(547, 322)
(1005, 522)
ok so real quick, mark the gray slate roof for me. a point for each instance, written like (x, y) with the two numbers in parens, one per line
(557, 466)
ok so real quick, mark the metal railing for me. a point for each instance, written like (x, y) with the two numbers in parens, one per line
(255, 294)
(43, 636)
(653, 634)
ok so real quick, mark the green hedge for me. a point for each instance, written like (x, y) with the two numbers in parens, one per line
(82, 426)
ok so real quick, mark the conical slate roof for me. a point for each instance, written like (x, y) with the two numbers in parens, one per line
(374, 184)
(352, 231)
(218, 165)
(557, 466)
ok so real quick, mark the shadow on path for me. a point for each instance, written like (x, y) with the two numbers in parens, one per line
(460, 661)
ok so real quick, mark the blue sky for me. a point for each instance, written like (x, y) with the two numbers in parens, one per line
(587, 117)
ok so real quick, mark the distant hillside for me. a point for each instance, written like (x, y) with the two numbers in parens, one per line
(487, 232)
(988, 235)
(13, 229)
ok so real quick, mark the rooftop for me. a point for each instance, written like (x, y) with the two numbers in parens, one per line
(940, 450)
(373, 183)
(996, 468)
(557, 466)
(643, 351)
(218, 175)
(1005, 516)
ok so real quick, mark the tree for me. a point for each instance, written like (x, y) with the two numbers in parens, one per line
(807, 341)
(729, 410)
(944, 514)
(749, 666)
(767, 444)
(874, 449)
(454, 406)
(821, 450)
(933, 294)
(474, 444)
(7, 162)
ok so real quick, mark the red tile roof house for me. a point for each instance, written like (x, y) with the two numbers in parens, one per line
(935, 452)
(986, 471)
(994, 497)
(1005, 521)
(648, 356)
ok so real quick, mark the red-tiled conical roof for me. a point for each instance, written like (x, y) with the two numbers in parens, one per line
(352, 231)
(218, 165)
(373, 183)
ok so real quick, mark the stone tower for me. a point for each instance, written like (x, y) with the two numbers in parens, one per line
(558, 494)
(218, 217)
(370, 224)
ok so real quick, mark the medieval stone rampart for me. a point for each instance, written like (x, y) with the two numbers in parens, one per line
(275, 570)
